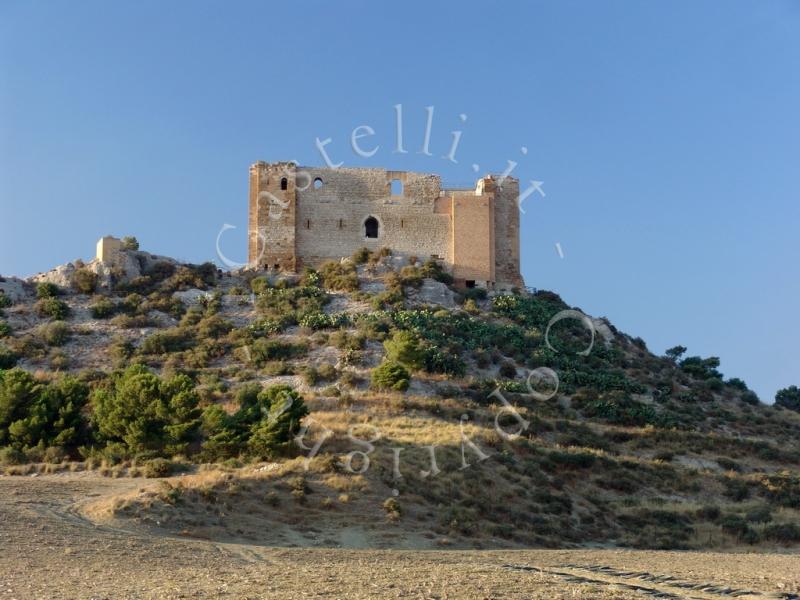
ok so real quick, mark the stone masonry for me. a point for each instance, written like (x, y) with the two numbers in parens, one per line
(302, 216)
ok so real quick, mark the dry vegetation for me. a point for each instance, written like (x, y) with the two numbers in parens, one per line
(180, 397)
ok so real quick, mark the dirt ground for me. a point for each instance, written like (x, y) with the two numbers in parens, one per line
(51, 549)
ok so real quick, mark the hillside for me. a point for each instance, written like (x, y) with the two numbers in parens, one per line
(419, 423)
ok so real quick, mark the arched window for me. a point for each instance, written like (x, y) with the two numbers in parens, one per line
(284, 183)
(371, 227)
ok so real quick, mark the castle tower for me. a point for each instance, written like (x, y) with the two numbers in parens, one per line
(506, 238)
(272, 216)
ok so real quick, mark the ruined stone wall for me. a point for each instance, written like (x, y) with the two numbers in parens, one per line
(307, 215)
(330, 217)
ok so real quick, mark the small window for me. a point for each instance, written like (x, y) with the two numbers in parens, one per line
(340, 223)
(397, 187)
(371, 228)
(402, 223)
(276, 267)
(308, 223)
(317, 183)
(284, 183)
(470, 283)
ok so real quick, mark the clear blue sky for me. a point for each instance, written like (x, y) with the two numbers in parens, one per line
(667, 135)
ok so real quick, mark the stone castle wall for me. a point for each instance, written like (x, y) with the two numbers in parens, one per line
(306, 216)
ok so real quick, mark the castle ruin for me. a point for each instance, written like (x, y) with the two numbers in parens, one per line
(304, 216)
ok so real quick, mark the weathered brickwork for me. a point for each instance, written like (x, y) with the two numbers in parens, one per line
(306, 216)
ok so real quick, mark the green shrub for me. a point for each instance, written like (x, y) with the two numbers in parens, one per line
(339, 276)
(264, 350)
(286, 307)
(475, 293)
(409, 275)
(361, 256)
(53, 308)
(619, 408)
(760, 514)
(448, 362)
(276, 368)
(84, 281)
(129, 242)
(145, 413)
(572, 460)
(265, 326)
(734, 525)
(702, 368)
(213, 327)
(161, 270)
(45, 289)
(132, 321)
(390, 375)
(782, 488)
(737, 383)
(788, 398)
(327, 372)
(346, 341)
(158, 467)
(321, 320)
(174, 339)
(59, 360)
(264, 424)
(5, 301)
(121, 349)
(165, 303)
(102, 308)
(275, 431)
(8, 358)
(404, 347)
(709, 512)
(736, 489)
(508, 369)
(783, 533)
(310, 376)
(260, 284)
(5, 328)
(54, 334)
(658, 529)
(12, 456)
(434, 270)
(38, 414)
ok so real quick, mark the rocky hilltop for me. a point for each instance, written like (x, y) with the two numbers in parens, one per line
(371, 404)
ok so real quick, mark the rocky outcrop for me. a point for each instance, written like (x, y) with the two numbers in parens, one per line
(125, 265)
(434, 292)
(14, 288)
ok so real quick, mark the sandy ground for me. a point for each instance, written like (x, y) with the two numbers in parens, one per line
(49, 548)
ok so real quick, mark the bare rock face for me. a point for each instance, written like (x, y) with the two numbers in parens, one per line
(121, 266)
(60, 276)
(435, 292)
(191, 297)
(14, 288)
(602, 328)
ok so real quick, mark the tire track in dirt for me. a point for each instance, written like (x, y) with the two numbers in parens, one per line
(659, 586)
(72, 512)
